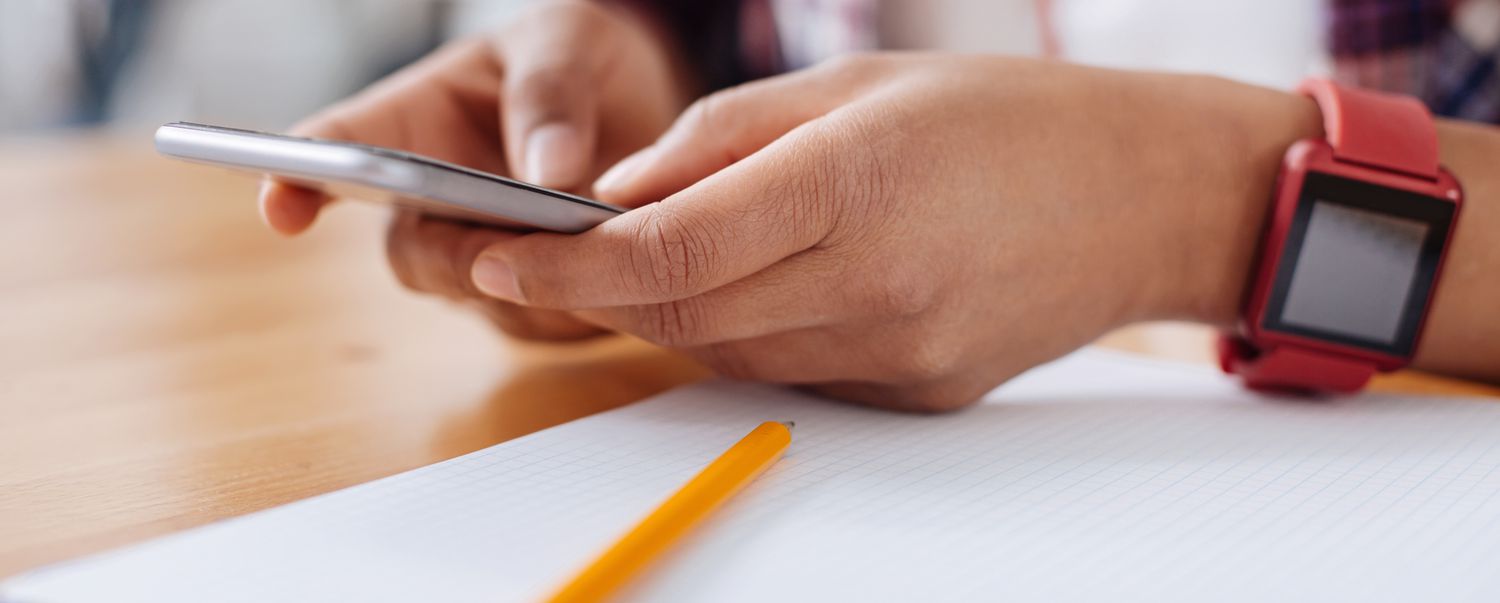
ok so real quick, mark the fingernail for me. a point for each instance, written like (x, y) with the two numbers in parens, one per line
(616, 177)
(495, 278)
(553, 155)
(260, 200)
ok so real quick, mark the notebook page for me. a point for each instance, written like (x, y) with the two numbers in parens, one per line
(1100, 476)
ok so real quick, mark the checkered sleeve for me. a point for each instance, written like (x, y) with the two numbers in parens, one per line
(734, 41)
(1442, 51)
(727, 42)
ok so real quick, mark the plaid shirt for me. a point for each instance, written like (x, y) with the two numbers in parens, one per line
(1442, 51)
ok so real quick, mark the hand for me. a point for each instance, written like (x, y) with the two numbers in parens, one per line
(562, 92)
(911, 231)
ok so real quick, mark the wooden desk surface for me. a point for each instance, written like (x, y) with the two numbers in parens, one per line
(165, 361)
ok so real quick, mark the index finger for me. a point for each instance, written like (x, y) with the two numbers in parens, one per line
(442, 106)
(780, 201)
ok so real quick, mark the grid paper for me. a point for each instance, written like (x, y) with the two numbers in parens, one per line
(1100, 476)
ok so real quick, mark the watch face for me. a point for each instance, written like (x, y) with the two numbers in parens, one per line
(1358, 264)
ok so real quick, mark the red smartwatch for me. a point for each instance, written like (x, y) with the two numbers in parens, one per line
(1353, 248)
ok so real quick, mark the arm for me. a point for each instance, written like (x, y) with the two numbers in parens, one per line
(1462, 335)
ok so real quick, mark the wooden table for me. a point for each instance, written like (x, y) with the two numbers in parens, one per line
(165, 361)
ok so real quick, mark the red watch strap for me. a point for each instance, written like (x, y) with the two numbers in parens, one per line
(1292, 369)
(1394, 133)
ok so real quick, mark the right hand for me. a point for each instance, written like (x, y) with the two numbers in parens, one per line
(554, 98)
(911, 230)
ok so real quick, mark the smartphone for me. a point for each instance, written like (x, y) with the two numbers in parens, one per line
(357, 171)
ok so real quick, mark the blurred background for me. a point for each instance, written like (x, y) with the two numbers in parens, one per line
(263, 64)
(254, 63)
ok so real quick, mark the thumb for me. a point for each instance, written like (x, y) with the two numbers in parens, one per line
(551, 91)
(729, 125)
(549, 121)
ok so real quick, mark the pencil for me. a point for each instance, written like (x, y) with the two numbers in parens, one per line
(707, 491)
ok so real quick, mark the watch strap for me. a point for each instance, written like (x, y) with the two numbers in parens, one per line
(1292, 369)
(1385, 131)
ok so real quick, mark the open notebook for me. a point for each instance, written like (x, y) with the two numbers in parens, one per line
(1100, 476)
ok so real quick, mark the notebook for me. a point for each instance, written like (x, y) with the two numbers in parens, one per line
(1099, 476)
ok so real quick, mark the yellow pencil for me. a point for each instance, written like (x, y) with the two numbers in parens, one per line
(708, 490)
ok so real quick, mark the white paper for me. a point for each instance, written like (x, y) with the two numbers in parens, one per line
(1098, 477)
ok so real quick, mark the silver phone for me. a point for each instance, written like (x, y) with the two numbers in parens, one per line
(357, 171)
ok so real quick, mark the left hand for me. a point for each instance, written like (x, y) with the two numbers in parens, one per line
(913, 230)
(554, 96)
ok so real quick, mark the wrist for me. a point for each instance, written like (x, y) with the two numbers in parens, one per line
(1223, 209)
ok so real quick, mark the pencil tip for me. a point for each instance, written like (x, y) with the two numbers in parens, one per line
(789, 424)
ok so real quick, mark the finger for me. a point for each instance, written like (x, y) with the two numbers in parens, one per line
(549, 104)
(440, 106)
(773, 205)
(289, 209)
(424, 108)
(535, 324)
(810, 289)
(805, 356)
(901, 351)
(725, 127)
(942, 395)
(434, 255)
(852, 364)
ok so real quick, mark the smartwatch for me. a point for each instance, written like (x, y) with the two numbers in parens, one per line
(1353, 248)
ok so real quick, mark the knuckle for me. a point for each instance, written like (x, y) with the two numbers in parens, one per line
(805, 193)
(906, 292)
(700, 112)
(712, 112)
(926, 359)
(867, 176)
(839, 171)
(854, 62)
(672, 253)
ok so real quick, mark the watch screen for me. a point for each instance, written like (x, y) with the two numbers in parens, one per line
(1355, 271)
(1358, 264)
